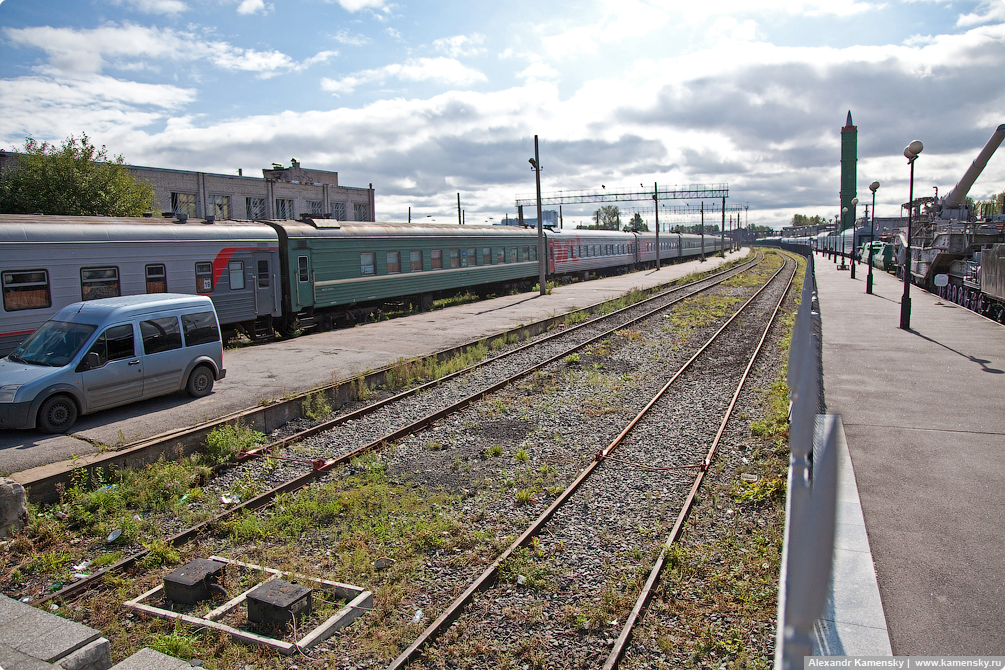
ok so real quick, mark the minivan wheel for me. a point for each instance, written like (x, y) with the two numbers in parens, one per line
(200, 382)
(57, 414)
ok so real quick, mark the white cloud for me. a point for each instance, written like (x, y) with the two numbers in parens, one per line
(253, 7)
(90, 50)
(443, 70)
(460, 45)
(356, 5)
(538, 71)
(155, 6)
(355, 40)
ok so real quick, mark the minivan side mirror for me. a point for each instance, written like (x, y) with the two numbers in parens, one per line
(92, 360)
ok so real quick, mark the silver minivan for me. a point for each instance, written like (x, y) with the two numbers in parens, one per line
(104, 353)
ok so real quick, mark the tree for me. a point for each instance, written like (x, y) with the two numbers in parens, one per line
(75, 178)
(608, 217)
(799, 220)
(637, 225)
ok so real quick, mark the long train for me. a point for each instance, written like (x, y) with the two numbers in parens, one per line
(284, 275)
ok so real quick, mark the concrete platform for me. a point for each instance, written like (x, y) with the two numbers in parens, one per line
(31, 638)
(925, 429)
(275, 369)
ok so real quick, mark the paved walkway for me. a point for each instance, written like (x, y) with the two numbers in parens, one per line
(275, 369)
(924, 419)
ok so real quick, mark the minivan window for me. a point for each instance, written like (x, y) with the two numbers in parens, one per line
(200, 328)
(55, 343)
(114, 344)
(160, 335)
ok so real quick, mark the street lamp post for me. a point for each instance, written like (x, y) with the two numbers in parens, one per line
(541, 255)
(854, 201)
(874, 186)
(911, 152)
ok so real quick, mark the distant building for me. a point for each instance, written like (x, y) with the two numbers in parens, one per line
(549, 216)
(282, 193)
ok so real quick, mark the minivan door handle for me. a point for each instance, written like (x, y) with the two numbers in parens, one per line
(134, 362)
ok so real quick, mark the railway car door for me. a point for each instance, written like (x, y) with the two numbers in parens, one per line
(304, 275)
(265, 285)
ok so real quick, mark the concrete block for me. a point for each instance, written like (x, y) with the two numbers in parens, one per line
(13, 507)
(94, 656)
(12, 659)
(11, 609)
(148, 659)
(45, 635)
(190, 583)
(276, 602)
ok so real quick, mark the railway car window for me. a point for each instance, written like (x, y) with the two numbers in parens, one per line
(160, 335)
(393, 262)
(367, 263)
(315, 207)
(256, 208)
(184, 203)
(512, 255)
(455, 258)
(219, 206)
(471, 259)
(486, 256)
(27, 289)
(263, 274)
(236, 270)
(156, 279)
(499, 256)
(99, 283)
(533, 253)
(200, 328)
(304, 270)
(415, 261)
(436, 259)
(114, 344)
(338, 211)
(203, 277)
(361, 212)
(284, 209)
(526, 253)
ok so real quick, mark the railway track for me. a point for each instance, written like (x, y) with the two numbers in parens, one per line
(354, 433)
(656, 451)
(439, 425)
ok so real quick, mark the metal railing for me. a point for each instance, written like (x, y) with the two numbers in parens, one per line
(812, 490)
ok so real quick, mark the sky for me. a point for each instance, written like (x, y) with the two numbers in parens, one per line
(425, 100)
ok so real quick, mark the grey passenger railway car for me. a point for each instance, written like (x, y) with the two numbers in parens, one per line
(48, 262)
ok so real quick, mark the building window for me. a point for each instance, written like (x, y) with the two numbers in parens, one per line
(160, 335)
(156, 279)
(256, 208)
(284, 208)
(361, 212)
(393, 262)
(304, 270)
(236, 271)
(98, 283)
(183, 203)
(203, 277)
(338, 211)
(455, 258)
(219, 206)
(367, 263)
(315, 207)
(415, 261)
(26, 289)
(436, 259)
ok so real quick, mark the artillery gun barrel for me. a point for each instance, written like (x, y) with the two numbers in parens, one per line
(958, 195)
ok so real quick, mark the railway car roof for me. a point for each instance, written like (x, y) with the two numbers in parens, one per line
(54, 229)
(333, 228)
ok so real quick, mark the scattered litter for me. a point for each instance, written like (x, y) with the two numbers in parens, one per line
(613, 623)
(63, 516)
(383, 563)
(109, 487)
(55, 586)
(745, 461)
(520, 579)
(53, 607)
(26, 599)
(137, 517)
(80, 566)
(749, 478)
(730, 512)
(418, 616)
(183, 499)
(81, 575)
(230, 498)
(113, 536)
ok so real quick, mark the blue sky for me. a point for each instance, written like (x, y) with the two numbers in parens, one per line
(427, 99)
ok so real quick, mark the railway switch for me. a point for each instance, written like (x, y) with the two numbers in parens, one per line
(191, 582)
(277, 602)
